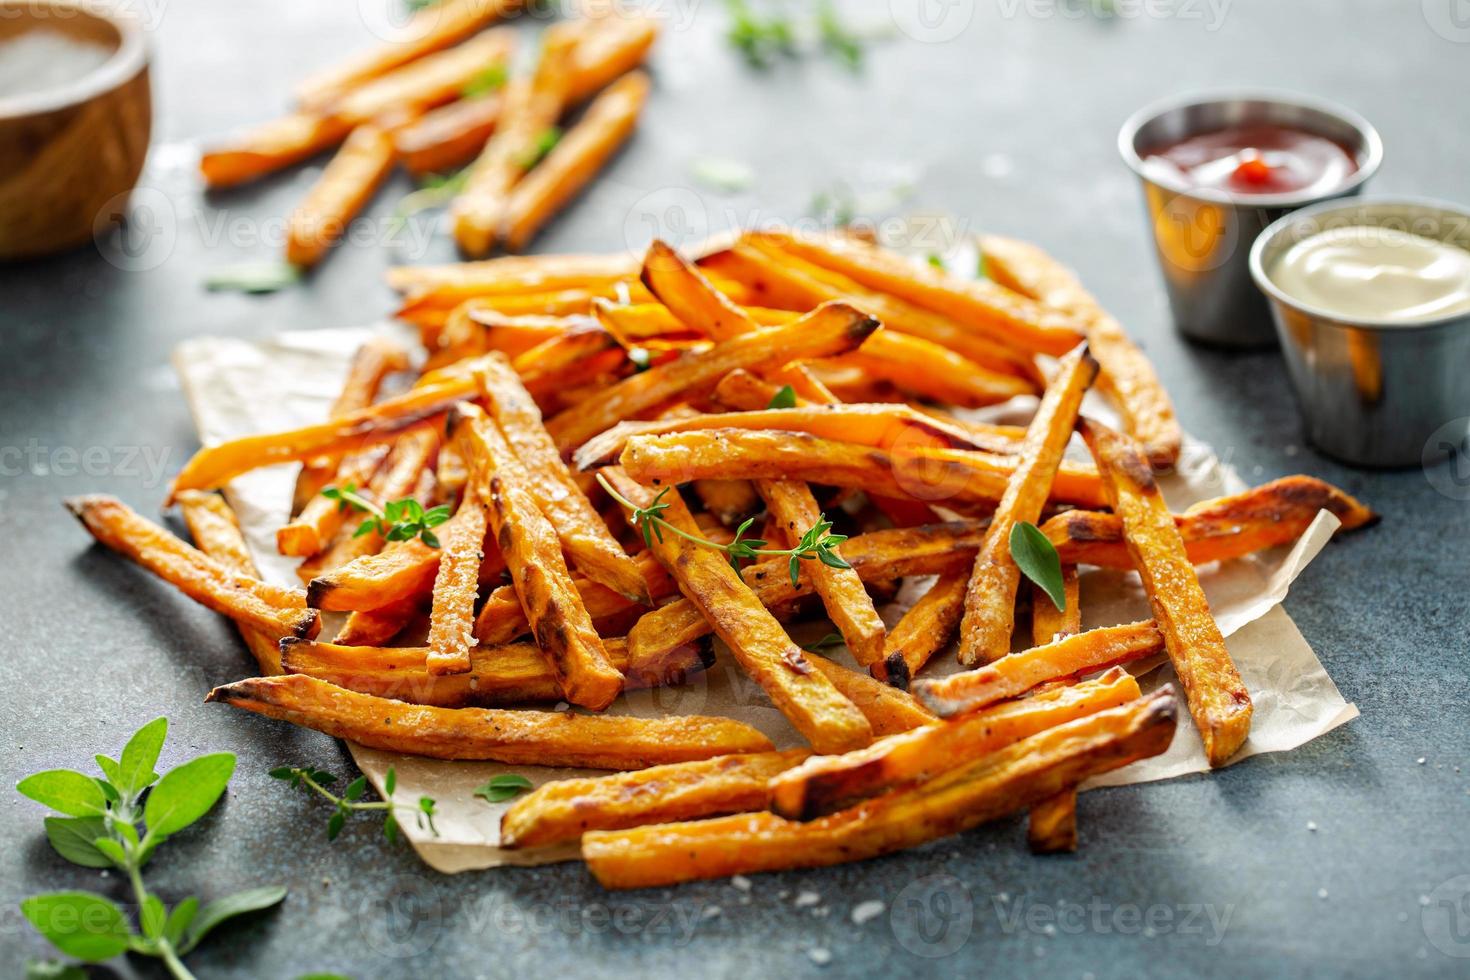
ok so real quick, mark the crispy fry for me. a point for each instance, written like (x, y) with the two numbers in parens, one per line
(566, 809)
(982, 305)
(543, 738)
(376, 627)
(585, 538)
(377, 358)
(730, 501)
(1016, 673)
(829, 721)
(213, 466)
(924, 630)
(960, 479)
(501, 618)
(559, 621)
(1127, 377)
(403, 474)
(345, 186)
(532, 108)
(1002, 782)
(847, 602)
(780, 280)
(1049, 623)
(612, 49)
(446, 286)
(499, 675)
(1217, 697)
(1272, 514)
(690, 297)
(877, 555)
(828, 330)
(216, 532)
(269, 147)
(575, 160)
(887, 709)
(929, 370)
(826, 784)
(448, 137)
(990, 600)
(879, 426)
(267, 608)
(456, 585)
(1052, 824)
(430, 29)
(408, 92)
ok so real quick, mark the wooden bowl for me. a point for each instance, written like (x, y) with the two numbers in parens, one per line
(72, 143)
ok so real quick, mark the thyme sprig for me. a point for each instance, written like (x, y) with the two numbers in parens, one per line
(397, 520)
(817, 543)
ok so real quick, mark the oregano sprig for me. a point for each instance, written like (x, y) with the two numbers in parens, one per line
(317, 781)
(1037, 559)
(108, 823)
(397, 520)
(817, 543)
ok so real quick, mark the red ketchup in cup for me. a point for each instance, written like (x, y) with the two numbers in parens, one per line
(1251, 160)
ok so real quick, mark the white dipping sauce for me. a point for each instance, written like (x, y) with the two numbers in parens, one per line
(1370, 273)
(43, 59)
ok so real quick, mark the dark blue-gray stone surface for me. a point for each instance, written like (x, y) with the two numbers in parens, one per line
(1010, 124)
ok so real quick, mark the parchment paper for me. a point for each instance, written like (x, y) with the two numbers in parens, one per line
(237, 388)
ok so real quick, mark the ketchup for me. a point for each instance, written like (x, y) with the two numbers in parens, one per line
(1254, 159)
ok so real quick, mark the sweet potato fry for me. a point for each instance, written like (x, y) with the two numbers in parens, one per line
(1127, 377)
(532, 107)
(213, 466)
(1049, 623)
(828, 330)
(403, 474)
(847, 602)
(432, 29)
(783, 281)
(960, 479)
(568, 808)
(1272, 514)
(829, 721)
(499, 675)
(990, 600)
(575, 160)
(376, 627)
(456, 586)
(611, 49)
(874, 556)
(448, 137)
(407, 92)
(584, 537)
(345, 186)
(216, 532)
(889, 710)
(826, 784)
(926, 369)
(982, 305)
(501, 618)
(924, 630)
(879, 426)
(446, 286)
(377, 358)
(1217, 697)
(532, 552)
(689, 297)
(542, 738)
(269, 147)
(1002, 782)
(1052, 824)
(1016, 673)
(250, 602)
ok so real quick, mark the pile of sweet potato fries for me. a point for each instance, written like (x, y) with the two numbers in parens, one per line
(445, 96)
(604, 461)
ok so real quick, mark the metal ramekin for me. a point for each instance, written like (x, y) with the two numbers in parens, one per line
(1203, 235)
(1372, 393)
